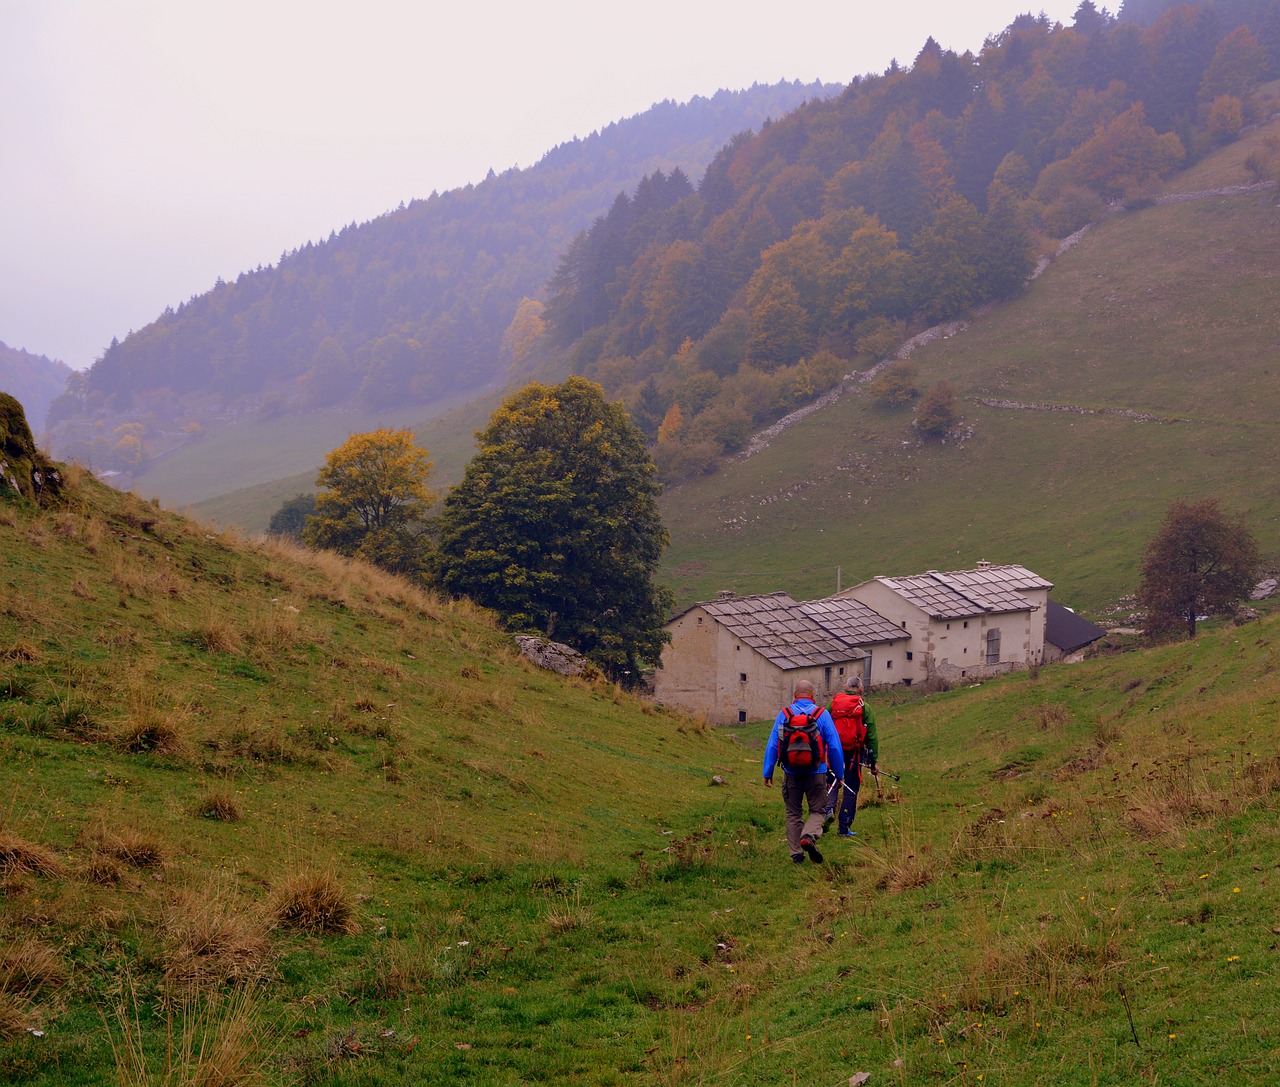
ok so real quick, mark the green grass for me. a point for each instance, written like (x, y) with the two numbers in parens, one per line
(1168, 311)
(545, 884)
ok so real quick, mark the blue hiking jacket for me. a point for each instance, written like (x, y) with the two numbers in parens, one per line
(826, 726)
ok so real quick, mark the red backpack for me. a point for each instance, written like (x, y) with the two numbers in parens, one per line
(846, 712)
(800, 746)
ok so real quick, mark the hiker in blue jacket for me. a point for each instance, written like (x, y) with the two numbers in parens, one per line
(803, 786)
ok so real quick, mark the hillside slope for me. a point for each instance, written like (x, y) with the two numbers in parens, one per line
(1137, 369)
(235, 769)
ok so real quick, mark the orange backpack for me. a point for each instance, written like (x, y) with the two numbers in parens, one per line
(846, 712)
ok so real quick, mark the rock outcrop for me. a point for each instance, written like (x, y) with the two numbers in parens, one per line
(24, 470)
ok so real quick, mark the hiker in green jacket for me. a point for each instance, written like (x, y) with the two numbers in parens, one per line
(856, 725)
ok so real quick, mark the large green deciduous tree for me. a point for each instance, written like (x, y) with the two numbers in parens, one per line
(555, 526)
(1200, 562)
(376, 501)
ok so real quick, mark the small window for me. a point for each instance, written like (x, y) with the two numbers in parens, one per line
(742, 717)
(699, 620)
(966, 624)
(737, 649)
(948, 626)
(840, 671)
(993, 645)
(742, 677)
(888, 664)
(906, 682)
(910, 656)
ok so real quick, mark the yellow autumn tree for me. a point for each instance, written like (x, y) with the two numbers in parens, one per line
(375, 502)
(672, 424)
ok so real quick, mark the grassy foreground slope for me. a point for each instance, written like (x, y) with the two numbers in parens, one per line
(1169, 312)
(234, 769)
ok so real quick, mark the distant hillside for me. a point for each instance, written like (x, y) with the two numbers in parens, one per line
(817, 246)
(34, 380)
(411, 307)
(1139, 368)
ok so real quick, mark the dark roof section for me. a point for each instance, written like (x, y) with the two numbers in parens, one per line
(1069, 631)
(776, 627)
(852, 620)
(958, 594)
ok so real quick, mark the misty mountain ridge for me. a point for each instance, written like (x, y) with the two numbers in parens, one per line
(35, 381)
(409, 307)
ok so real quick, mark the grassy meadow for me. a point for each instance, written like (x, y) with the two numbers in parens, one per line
(271, 817)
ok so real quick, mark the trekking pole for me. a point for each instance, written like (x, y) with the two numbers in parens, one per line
(876, 769)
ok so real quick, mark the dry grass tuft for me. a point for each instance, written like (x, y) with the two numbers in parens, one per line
(275, 632)
(315, 902)
(29, 968)
(150, 726)
(216, 635)
(135, 848)
(102, 869)
(220, 805)
(16, 1017)
(903, 866)
(156, 732)
(211, 941)
(21, 651)
(399, 967)
(1172, 800)
(1048, 716)
(215, 1042)
(568, 914)
(19, 857)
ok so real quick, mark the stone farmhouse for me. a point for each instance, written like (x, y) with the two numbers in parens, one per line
(736, 659)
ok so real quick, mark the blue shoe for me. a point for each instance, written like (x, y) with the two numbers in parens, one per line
(847, 833)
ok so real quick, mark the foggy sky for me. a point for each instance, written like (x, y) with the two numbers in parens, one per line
(151, 146)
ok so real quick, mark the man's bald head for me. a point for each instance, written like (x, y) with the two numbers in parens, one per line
(803, 689)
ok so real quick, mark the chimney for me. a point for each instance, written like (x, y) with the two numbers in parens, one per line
(983, 564)
(725, 594)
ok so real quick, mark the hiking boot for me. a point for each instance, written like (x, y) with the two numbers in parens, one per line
(811, 847)
(846, 832)
(797, 858)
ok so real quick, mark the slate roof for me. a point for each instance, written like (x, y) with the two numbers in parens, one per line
(777, 628)
(852, 620)
(1067, 630)
(959, 594)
